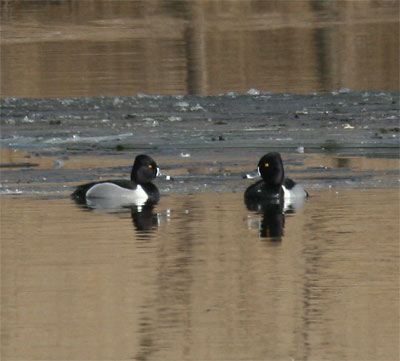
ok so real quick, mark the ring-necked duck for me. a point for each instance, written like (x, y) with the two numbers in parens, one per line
(274, 187)
(138, 190)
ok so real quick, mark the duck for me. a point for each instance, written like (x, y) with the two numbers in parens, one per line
(137, 190)
(274, 188)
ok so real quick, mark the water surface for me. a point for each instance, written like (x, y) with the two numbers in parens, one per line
(200, 275)
(198, 281)
(114, 48)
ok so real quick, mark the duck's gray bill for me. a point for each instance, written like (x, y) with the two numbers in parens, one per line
(162, 175)
(252, 175)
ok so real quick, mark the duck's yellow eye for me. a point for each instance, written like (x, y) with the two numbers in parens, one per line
(266, 165)
(150, 166)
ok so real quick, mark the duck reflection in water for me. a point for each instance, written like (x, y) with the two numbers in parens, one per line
(273, 195)
(272, 218)
(143, 216)
(138, 194)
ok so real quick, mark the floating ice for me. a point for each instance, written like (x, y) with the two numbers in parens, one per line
(27, 120)
(172, 118)
(78, 139)
(183, 105)
(302, 112)
(151, 121)
(253, 91)
(197, 107)
(117, 101)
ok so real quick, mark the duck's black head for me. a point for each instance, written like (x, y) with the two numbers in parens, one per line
(271, 170)
(144, 169)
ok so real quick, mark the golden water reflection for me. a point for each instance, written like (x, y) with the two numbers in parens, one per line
(85, 48)
(79, 284)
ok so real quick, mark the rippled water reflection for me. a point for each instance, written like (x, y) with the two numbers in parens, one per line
(193, 279)
(85, 48)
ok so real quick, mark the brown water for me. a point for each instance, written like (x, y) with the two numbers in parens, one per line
(196, 278)
(85, 48)
(201, 277)
(200, 283)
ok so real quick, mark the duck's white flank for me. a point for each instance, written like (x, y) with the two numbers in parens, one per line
(294, 198)
(111, 190)
(296, 192)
